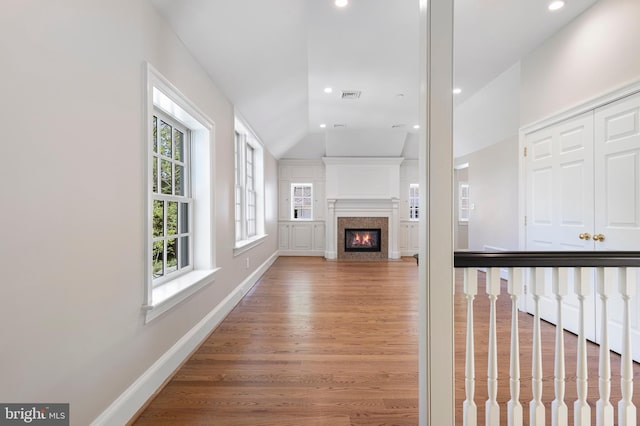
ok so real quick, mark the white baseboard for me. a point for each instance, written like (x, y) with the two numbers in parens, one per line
(319, 253)
(136, 395)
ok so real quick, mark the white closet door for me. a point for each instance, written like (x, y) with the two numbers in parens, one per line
(617, 192)
(560, 202)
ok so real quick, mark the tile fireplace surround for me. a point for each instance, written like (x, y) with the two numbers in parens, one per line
(371, 213)
(364, 223)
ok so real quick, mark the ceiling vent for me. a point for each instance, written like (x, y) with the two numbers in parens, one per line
(397, 126)
(350, 94)
(339, 126)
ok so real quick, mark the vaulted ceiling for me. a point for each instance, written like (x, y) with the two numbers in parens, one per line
(274, 58)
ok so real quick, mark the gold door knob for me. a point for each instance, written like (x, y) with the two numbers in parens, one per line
(598, 237)
(586, 236)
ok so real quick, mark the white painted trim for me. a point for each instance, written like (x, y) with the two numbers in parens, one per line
(246, 245)
(174, 292)
(364, 160)
(136, 395)
(596, 102)
(319, 253)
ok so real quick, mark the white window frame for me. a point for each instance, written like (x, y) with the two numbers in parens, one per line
(162, 295)
(293, 204)
(158, 195)
(463, 195)
(414, 202)
(249, 189)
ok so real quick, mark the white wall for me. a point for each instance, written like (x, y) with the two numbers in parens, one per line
(594, 54)
(493, 191)
(72, 248)
(490, 115)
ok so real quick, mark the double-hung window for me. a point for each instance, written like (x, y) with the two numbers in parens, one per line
(249, 189)
(180, 231)
(463, 202)
(301, 201)
(414, 201)
(172, 201)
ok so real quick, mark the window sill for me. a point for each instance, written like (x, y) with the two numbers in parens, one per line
(171, 293)
(245, 245)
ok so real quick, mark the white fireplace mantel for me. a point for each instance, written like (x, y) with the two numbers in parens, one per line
(357, 207)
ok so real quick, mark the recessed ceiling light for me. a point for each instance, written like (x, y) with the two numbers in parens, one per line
(457, 91)
(328, 90)
(416, 126)
(342, 3)
(323, 125)
(556, 4)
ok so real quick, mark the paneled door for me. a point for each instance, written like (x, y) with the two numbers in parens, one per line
(617, 195)
(560, 202)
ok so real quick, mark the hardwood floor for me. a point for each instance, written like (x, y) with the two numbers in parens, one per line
(335, 343)
(313, 343)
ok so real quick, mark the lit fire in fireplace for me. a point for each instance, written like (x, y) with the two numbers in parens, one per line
(361, 240)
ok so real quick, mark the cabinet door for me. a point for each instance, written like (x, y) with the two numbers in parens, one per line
(283, 236)
(284, 206)
(414, 243)
(403, 240)
(318, 236)
(617, 189)
(301, 236)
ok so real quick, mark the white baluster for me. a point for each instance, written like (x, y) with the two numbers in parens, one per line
(581, 409)
(626, 409)
(470, 410)
(536, 408)
(492, 409)
(559, 410)
(515, 288)
(604, 409)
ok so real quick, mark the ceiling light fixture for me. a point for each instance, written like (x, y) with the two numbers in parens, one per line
(416, 126)
(556, 4)
(457, 91)
(328, 90)
(342, 3)
(323, 125)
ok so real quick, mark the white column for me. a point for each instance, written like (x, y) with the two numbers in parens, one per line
(492, 409)
(604, 409)
(536, 408)
(469, 408)
(627, 288)
(394, 227)
(331, 236)
(515, 287)
(581, 409)
(559, 411)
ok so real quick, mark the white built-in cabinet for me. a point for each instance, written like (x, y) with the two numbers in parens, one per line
(408, 233)
(408, 238)
(301, 237)
(583, 193)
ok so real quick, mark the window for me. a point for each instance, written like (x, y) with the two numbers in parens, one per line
(172, 202)
(414, 201)
(301, 201)
(180, 232)
(463, 202)
(249, 184)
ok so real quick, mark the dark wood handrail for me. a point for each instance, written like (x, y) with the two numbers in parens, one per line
(530, 259)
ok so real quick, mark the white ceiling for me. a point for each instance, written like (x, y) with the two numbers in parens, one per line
(273, 58)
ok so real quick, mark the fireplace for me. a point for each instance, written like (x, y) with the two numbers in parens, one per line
(353, 244)
(362, 240)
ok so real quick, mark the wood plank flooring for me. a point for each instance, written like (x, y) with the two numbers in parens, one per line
(313, 343)
(336, 343)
